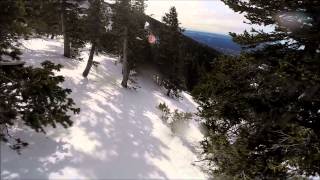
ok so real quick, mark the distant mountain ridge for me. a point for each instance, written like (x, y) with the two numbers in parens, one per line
(220, 42)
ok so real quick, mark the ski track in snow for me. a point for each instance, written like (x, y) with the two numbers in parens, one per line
(118, 134)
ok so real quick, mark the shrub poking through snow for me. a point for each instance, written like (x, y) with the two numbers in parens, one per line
(176, 120)
(180, 121)
(165, 112)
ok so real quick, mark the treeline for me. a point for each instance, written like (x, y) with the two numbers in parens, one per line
(119, 28)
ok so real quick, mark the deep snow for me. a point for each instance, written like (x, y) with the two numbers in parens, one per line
(118, 134)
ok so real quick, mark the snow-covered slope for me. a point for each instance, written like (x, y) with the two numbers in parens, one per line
(118, 133)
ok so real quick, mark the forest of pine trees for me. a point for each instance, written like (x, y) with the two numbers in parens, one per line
(260, 110)
(118, 28)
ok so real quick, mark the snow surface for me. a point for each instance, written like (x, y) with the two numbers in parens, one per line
(118, 134)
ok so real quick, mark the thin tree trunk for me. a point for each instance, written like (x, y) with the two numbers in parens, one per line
(168, 92)
(90, 60)
(67, 48)
(125, 65)
(120, 59)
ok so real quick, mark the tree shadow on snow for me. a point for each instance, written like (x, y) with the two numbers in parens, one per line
(111, 138)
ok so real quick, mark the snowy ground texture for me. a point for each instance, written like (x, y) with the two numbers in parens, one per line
(117, 135)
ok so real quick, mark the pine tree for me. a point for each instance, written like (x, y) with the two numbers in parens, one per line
(121, 22)
(31, 95)
(128, 25)
(72, 26)
(261, 109)
(96, 22)
(43, 17)
(138, 44)
(56, 17)
(298, 20)
(11, 27)
(139, 6)
(66, 40)
(171, 61)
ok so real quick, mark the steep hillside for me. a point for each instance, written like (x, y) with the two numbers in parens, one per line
(118, 134)
(196, 55)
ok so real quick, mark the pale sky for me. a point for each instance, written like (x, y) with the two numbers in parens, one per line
(203, 15)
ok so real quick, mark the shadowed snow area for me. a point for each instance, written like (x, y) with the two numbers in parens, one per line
(118, 134)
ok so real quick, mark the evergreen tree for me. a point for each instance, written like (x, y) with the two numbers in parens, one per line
(138, 43)
(72, 25)
(96, 22)
(56, 17)
(43, 17)
(66, 40)
(29, 95)
(12, 26)
(170, 49)
(121, 21)
(139, 6)
(261, 109)
(129, 22)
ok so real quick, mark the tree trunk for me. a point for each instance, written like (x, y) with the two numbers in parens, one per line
(168, 92)
(125, 64)
(67, 48)
(90, 60)
(120, 59)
